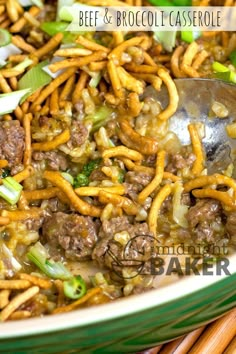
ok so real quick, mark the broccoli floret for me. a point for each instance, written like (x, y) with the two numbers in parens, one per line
(82, 178)
(90, 167)
(80, 181)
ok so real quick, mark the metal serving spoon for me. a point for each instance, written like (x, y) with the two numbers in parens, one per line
(196, 97)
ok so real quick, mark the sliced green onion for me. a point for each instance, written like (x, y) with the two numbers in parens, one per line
(27, 3)
(95, 79)
(52, 28)
(166, 38)
(35, 78)
(228, 76)
(8, 50)
(71, 12)
(10, 190)
(61, 3)
(161, 3)
(101, 115)
(68, 177)
(75, 288)
(182, 2)
(49, 72)
(23, 65)
(5, 37)
(232, 57)
(219, 68)
(2, 63)
(56, 270)
(66, 13)
(9, 101)
(222, 72)
(190, 36)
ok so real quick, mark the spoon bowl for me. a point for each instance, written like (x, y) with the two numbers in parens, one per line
(196, 98)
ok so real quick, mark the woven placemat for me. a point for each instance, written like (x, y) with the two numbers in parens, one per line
(216, 338)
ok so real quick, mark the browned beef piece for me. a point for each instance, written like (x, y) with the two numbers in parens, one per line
(55, 160)
(12, 143)
(231, 223)
(204, 220)
(203, 210)
(135, 182)
(97, 175)
(73, 233)
(140, 178)
(34, 224)
(108, 250)
(179, 161)
(79, 134)
(54, 205)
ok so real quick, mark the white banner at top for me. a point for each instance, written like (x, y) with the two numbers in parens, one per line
(91, 18)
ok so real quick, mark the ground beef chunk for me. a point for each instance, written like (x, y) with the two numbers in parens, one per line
(79, 134)
(54, 205)
(203, 210)
(97, 175)
(34, 224)
(186, 199)
(140, 178)
(54, 160)
(135, 182)
(204, 220)
(179, 161)
(108, 250)
(231, 224)
(73, 233)
(12, 140)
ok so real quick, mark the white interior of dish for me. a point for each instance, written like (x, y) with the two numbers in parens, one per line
(113, 310)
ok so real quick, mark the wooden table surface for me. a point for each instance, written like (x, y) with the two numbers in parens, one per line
(216, 338)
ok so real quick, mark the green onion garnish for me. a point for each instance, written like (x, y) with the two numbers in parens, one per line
(39, 256)
(95, 79)
(166, 38)
(218, 67)
(10, 190)
(61, 3)
(101, 115)
(5, 37)
(190, 36)
(228, 76)
(35, 78)
(232, 57)
(52, 28)
(223, 72)
(28, 3)
(161, 3)
(22, 66)
(9, 101)
(68, 177)
(75, 288)
(182, 2)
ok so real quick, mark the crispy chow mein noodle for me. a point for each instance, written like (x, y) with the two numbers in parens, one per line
(90, 172)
